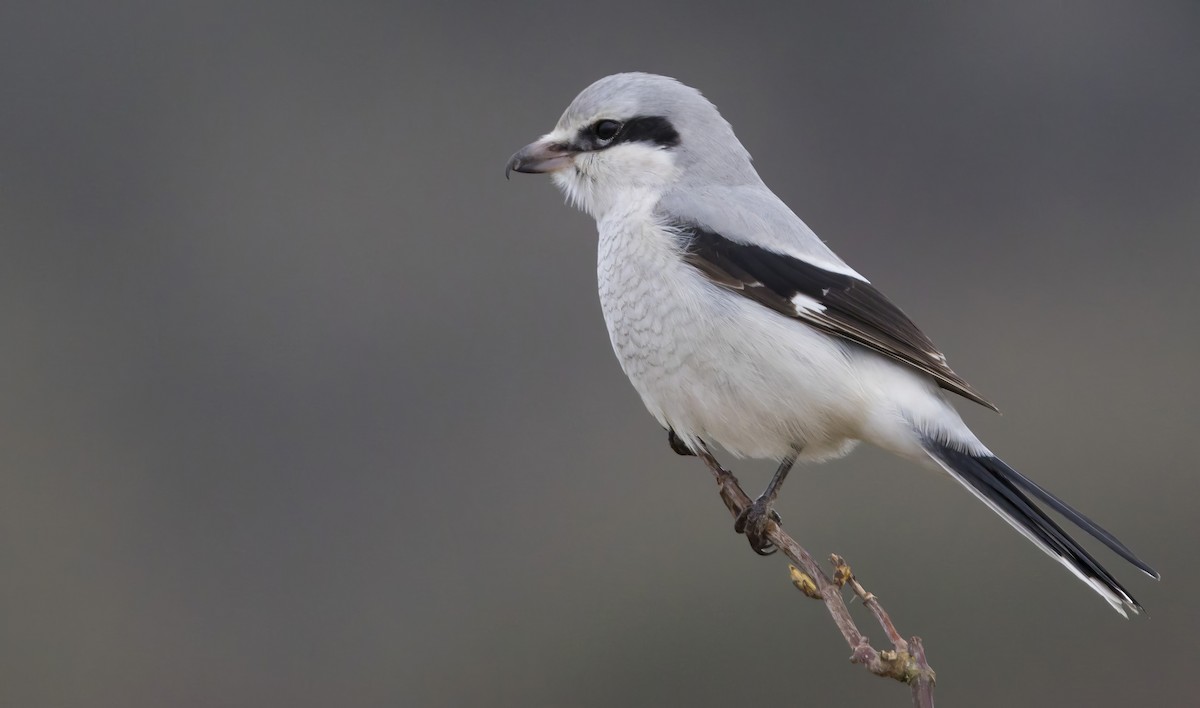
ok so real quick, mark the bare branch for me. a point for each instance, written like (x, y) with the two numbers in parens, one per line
(905, 661)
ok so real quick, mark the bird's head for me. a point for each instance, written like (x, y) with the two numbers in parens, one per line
(630, 137)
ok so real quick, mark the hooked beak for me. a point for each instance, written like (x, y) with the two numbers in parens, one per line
(541, 156)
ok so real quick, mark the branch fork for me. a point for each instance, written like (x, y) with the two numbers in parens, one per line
(905, 661)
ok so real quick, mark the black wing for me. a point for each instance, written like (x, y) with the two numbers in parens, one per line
(836, 303)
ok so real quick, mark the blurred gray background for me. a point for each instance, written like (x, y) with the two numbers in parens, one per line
(304, 405)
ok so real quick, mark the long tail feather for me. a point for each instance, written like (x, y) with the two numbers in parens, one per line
(1000, 487)
(1076, 517)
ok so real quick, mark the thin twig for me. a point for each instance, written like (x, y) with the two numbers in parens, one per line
(922, 685)
(904, 662)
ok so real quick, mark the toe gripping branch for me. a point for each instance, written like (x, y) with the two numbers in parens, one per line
(754, 521)
(905, 661)
(678, 445)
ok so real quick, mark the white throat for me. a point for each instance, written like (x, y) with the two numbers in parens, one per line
(624, 177)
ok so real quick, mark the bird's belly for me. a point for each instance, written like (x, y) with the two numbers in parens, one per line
(716, 366)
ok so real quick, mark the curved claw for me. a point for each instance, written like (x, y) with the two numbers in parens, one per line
(753, 523)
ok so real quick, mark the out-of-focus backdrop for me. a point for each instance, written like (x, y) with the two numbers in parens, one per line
(304, 405)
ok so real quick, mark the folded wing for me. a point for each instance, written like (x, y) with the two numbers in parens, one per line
(835, 302)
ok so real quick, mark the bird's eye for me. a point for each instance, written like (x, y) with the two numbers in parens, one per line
(606, 130)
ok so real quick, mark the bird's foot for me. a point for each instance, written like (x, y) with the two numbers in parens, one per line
(753, 523)
(677, 444)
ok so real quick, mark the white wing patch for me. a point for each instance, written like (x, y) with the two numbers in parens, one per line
(804, 303)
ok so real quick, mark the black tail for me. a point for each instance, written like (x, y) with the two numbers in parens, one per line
(1000, 487)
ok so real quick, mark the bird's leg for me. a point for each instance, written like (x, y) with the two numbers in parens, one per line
(753, 521)
(677, 444)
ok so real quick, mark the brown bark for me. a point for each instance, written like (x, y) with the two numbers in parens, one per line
(905, 661)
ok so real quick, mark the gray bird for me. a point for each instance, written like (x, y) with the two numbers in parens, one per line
(737, 325)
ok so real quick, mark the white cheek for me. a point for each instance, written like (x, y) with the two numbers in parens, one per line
(599, 180)
(639, 164)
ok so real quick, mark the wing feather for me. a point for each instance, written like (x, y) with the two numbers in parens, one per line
(835, 302)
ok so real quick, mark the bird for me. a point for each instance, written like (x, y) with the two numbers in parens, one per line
(737, 325)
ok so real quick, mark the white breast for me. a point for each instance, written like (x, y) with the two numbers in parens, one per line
(712, 364)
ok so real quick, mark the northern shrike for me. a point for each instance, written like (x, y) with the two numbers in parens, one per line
(738, 325)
